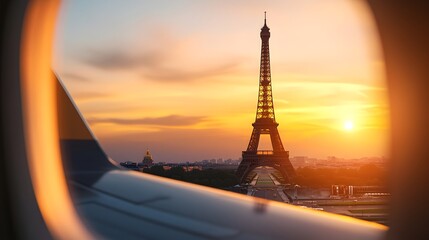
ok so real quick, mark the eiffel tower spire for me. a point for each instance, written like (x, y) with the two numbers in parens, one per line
(265, 18)
(265, 123)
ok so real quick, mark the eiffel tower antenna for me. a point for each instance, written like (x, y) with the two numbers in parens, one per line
(265, 123)
(265, 18)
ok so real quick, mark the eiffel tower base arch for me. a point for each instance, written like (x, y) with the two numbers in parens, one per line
(279, 161)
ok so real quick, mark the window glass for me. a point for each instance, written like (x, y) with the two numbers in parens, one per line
(177, 82)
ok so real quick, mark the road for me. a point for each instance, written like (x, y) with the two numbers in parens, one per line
(266, 186)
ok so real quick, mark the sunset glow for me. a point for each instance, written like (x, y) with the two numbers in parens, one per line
(181, 77)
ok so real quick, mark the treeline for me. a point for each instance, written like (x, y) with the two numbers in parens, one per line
(368, 174)
(218, 178)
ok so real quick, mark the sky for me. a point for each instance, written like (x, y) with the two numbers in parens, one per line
(180, 78)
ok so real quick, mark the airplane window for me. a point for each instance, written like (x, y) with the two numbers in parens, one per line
(172, 88)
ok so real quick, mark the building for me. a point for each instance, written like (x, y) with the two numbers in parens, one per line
(147, 160)
(358, 191)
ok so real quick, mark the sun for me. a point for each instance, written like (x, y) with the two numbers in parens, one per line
(348, 125)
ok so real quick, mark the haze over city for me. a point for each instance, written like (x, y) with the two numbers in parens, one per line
(181, 77)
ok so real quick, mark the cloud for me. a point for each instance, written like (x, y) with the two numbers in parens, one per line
(115, 59)
(171, 120)
(170, 75)
(151, 64)
(88, 96)
(74, 76)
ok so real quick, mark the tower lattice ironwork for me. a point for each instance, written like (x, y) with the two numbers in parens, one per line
(265, 123)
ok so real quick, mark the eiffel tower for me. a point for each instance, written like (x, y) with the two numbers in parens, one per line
(265, 123)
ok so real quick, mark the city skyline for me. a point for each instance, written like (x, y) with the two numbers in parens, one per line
(186, 89)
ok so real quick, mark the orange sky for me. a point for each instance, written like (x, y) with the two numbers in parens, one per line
(181, 77)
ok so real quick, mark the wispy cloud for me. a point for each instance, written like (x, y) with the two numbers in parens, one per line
(167, 57)
(74, 77)
(152, 65)
(171, 120)
(88, 96)
(116, 59)
(170, 75)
